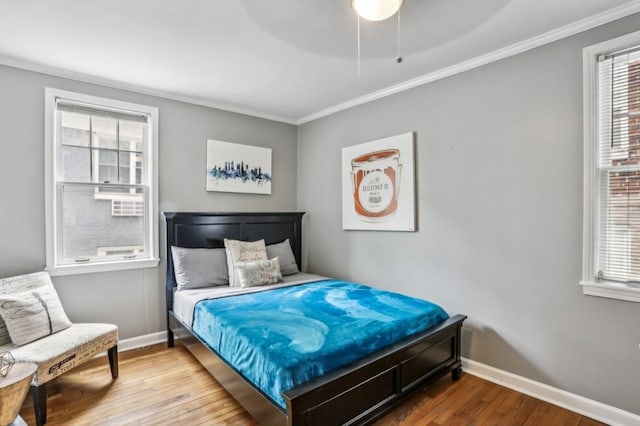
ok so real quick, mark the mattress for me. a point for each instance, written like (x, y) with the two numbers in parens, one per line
(287, 336)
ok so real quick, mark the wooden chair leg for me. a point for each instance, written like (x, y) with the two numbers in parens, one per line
(113, 361)
(39, 394)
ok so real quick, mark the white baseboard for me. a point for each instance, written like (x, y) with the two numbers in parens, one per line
(579, 404)
(587, 407)
(142, 341)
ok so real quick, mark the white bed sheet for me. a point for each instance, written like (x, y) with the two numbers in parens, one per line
(184, 301)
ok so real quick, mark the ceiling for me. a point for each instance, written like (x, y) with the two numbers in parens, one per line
(289, 60)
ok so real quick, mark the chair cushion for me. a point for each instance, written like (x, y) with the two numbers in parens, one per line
(64, 350)
(32, 314)
(18, 284)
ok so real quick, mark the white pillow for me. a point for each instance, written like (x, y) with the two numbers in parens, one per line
(258, 272)
(19, 284)
(288, 265)
(242, 251)
(33, 314)
(199, 267)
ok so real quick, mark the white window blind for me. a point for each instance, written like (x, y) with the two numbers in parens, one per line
(619, 166)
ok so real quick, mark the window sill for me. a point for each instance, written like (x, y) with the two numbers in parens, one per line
(55, 271)
(611, 290)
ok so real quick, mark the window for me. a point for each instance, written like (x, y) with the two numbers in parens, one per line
(611, 254)
(101, 184)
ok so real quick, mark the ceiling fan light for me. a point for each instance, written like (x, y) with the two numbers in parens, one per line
(376, 10)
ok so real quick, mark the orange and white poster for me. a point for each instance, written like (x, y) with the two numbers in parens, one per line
(378, 185)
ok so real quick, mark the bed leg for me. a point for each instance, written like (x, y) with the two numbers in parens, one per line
(170, 335)
(456, 373)
(170, 342)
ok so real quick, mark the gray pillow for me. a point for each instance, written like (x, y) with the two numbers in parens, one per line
(283, 251)
(199, 267)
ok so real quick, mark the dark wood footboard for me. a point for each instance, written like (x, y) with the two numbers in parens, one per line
(363, 391)
(356, 394)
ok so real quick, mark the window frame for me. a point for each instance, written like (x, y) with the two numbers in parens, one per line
(53, 175)
(591, 201)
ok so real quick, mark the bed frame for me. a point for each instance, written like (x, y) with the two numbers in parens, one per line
(356, 394)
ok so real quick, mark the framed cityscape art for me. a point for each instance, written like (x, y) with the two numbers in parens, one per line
(233, 167)
(378, 185)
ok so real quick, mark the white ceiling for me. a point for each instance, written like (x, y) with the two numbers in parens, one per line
(290, 60)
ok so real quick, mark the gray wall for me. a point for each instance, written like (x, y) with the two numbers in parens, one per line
(134, 300)
(499, 196)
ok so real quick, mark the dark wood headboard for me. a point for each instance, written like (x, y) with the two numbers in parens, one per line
(208, 230)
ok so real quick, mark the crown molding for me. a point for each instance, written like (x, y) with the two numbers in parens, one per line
(114, 84)
(512, 50)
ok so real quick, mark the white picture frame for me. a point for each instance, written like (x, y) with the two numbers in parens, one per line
(233, 167)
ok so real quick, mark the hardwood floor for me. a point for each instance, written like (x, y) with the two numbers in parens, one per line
(161, 386)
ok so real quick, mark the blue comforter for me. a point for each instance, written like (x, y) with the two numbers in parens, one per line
(284, 337)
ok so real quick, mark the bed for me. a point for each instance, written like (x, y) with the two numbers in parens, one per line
(356, 393)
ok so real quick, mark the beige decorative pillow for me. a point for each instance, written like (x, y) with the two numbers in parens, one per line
(33, 314)
(19, 284)
(259, 272)
(242, 251)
